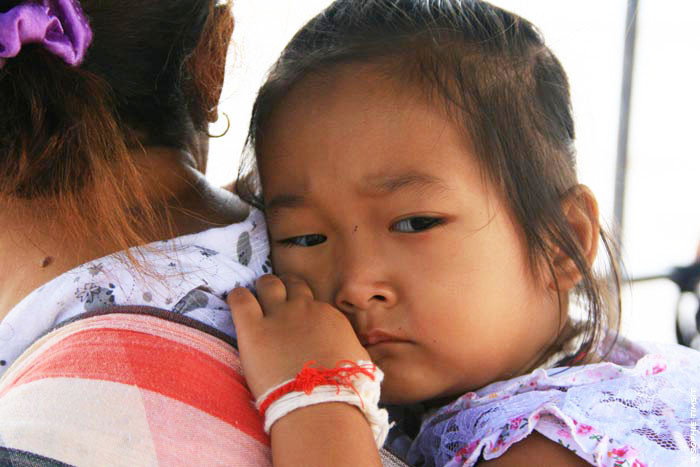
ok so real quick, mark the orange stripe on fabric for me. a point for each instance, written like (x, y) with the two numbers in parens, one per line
(155, 326)
(153, 363)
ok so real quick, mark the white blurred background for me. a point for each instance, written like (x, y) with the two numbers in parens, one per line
(662, 210)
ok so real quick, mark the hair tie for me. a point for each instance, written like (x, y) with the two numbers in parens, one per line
(59, 25)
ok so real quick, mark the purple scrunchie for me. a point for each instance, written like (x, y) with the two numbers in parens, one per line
(59, 25)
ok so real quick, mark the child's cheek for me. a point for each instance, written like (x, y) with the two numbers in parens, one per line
(279, 264)
(293, 261)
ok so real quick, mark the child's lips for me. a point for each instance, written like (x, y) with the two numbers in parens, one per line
(377, 337)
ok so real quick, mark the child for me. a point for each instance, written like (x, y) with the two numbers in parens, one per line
(417, 168)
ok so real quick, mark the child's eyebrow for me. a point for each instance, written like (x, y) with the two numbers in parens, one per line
(288, 201)
(385, 184)
(374, 186)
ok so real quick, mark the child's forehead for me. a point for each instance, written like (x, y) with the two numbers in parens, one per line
(357, 124)
(377, 82)
(355, 104)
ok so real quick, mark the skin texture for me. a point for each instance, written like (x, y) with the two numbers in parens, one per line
(536, 451)
(33, 233)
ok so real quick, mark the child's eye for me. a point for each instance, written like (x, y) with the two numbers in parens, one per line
(417, 224)
(303, 240)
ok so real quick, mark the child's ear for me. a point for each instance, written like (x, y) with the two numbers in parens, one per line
(580, 208)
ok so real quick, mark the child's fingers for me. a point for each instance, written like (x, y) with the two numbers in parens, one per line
(244, 306)
(271, 292)
(297, 288)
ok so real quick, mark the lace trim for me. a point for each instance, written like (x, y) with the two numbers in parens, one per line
(583, 440)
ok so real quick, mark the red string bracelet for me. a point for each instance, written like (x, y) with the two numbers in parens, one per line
(309, 378)
(354, 383)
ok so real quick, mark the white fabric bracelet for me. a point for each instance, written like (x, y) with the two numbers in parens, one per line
(365, 397)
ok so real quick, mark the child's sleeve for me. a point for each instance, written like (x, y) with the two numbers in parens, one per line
(607, 414)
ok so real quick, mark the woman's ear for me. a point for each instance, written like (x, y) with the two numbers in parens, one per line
(219, 45)
(580, 208)
(207, 66)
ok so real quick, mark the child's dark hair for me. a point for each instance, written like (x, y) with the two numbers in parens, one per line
(68, 135)
(497, 80)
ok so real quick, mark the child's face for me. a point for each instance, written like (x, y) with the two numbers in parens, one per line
(374, 198)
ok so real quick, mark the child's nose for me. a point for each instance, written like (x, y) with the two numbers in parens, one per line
(354, 297)
(364, 288)
(363, 274)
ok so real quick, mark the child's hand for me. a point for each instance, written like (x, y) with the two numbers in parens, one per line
(286, 329)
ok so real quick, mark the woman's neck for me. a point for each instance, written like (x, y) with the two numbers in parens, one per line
(36, 246)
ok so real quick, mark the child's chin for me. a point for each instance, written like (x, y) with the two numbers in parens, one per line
(392, 397)
(400, 398)
(392, 401)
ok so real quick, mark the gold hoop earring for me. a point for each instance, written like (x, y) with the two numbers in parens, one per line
(228, 127)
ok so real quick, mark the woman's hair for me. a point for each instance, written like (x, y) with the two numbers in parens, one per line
(493, 74)
(70, 136)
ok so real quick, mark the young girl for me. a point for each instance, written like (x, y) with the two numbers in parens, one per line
(417, 168)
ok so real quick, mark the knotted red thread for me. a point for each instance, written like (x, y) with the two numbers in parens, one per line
(309, 378)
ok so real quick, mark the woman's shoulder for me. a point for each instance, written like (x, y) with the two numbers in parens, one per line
(191, 276)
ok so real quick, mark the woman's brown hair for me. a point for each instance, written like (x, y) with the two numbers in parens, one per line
(70, 137)
(493, 74)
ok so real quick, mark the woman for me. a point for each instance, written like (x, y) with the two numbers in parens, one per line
(103, 145)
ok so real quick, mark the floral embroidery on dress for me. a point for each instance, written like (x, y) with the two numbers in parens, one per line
(622, 456)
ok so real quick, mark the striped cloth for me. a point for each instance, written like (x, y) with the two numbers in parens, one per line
(131, 386)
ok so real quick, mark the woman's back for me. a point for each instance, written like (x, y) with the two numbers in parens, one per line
(99, 154)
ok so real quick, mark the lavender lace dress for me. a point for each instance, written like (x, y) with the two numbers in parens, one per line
(636, 409)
